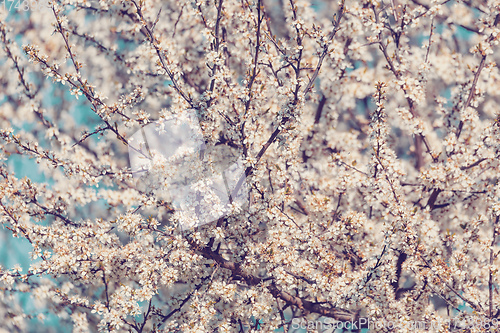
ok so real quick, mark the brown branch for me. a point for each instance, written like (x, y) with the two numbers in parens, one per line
(184, 301)
(161, 58)
(432, 199)
(260, 18)
(251, 280)
(473, 164)
(476, 77)
(313, 307)
(471, 93)
(340, 13)
(475, 307)
(395, 284)
(215, 45)
(492, 257)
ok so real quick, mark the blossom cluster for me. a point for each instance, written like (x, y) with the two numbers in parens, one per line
(364, 134)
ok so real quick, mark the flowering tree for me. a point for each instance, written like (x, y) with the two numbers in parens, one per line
(369, 136)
